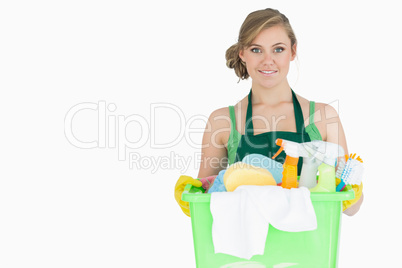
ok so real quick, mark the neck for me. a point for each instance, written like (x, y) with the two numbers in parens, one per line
(273, 95)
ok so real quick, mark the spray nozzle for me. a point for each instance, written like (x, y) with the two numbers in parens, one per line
(320, 150)
(292, 149)
(278, 142)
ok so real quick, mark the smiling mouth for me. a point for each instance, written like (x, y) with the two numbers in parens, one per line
(267, 72)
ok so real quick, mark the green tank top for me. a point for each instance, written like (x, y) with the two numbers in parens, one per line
(241, 145)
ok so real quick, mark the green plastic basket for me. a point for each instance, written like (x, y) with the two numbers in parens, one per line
(310, 249)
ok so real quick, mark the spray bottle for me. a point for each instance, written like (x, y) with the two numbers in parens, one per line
(327, 153)
(293, 151)
(308, 174)
(316, 151)
(317, 155)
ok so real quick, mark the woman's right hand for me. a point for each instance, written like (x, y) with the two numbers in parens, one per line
(179, 188)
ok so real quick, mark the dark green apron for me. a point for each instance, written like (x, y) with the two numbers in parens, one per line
(264, 143)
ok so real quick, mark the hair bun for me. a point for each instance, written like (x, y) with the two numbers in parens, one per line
(233, 61)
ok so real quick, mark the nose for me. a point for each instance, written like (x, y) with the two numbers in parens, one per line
(268, 59)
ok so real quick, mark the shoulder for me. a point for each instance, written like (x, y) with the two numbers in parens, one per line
(321, 111)
(330, 125)
(223, 111)
(327, 120)
(325, 115)
(220, 121)
(327, 111)
(219, 116)
(222, 115)
(218, 125)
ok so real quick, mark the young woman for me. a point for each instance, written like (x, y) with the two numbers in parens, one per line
(265, 48)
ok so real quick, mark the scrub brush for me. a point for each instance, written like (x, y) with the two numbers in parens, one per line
(341, 167)
(352, 172)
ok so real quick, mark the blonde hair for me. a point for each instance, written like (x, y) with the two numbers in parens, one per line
(254, 23)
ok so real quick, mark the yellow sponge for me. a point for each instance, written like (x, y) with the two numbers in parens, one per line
(244, 174)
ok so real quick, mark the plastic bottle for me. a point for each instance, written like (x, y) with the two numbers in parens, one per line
(326, 179)
(317, 155)
(289, 174)
(308, 175)
(327, 153)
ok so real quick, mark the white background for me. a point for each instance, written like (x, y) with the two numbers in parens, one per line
(65, 206)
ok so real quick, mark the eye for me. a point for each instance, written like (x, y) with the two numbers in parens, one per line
(279, 49)
(256, 50)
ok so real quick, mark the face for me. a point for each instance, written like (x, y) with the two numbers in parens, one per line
(268, 57)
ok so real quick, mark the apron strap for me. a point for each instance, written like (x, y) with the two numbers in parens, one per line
(249, 127)
(297, 111)
(298, 114)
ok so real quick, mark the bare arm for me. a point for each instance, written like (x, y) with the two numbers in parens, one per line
(332, 131)
(213, 152)
(333, 128)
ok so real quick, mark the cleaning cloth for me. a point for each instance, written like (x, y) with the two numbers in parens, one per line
(241, 218)
(207, 182)
(218, 185)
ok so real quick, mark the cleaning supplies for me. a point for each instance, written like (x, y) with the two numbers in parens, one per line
(352, 173)
(308, 175)
(326, 179)
(327, 153)
(289, 175)
(316, 151)
(339, 170)
(263, 161)
(207, 182)
(358, 189)
(241, 173)
(293, 151)
(218, 185)
(240, 219)
(316, 154)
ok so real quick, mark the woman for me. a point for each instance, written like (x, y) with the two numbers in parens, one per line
(265, 48)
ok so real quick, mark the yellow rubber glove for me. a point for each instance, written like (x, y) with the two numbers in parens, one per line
(358, 189)
(179, 188)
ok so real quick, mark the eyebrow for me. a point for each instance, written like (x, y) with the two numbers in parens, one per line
(280, 43)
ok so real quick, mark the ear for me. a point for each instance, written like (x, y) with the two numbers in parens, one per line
(294, 52)
(241, 54)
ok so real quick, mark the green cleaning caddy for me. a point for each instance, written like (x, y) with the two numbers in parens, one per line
(308, 249)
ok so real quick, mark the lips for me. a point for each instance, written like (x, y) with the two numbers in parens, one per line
(267, 72)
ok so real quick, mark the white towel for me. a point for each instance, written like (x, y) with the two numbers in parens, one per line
(241, 218)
